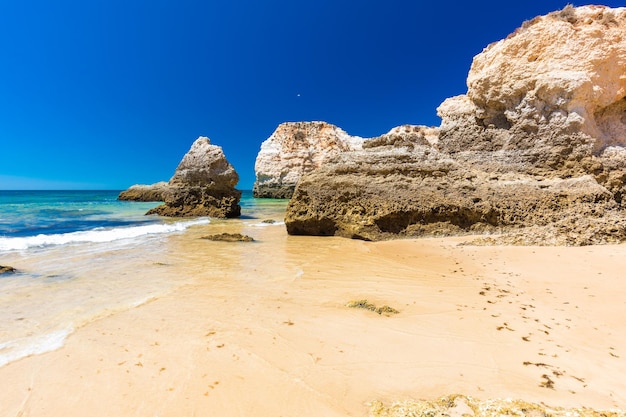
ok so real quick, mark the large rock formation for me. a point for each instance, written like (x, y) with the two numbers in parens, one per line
(141, 192)
(294, 149)
(535, 148)
(545, 99)
(203, 185)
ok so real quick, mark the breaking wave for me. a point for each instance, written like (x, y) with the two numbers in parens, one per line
(33, 345)
(95, 235)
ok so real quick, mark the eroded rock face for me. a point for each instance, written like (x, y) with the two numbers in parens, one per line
(536, 148)
(294, 149)
(565, 69)
(546, 98)
(203, 185)
(141, 192)
(390, 191)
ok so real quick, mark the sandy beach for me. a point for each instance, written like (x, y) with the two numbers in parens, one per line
(263, 329)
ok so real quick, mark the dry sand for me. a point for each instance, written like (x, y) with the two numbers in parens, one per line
(263, 330)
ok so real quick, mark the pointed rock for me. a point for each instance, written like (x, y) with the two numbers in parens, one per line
(202, 185)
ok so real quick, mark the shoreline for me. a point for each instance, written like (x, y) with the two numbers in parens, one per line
(262, 328)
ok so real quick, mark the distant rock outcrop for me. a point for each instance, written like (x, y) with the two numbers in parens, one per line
(140, 192)
(203, 185)
(536, 148)
(294, 149)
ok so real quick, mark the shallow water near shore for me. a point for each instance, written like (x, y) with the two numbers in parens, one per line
(171, 324)
(83, 255)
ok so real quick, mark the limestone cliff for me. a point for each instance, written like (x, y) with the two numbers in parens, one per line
(546, 98)
(202, 185)
(535, 148)
(294, 149)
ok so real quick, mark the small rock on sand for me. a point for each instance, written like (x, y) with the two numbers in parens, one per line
(229, 237)
(7, 269)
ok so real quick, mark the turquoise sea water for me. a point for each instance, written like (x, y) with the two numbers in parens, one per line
(82, 255)
(44, 218)
(30, 213)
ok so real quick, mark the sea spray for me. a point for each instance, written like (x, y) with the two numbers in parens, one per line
(96, 235)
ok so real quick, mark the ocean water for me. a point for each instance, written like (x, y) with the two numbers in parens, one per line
(83, 255)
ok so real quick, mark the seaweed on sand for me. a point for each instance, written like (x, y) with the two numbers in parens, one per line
(369, 306)
(460, 405)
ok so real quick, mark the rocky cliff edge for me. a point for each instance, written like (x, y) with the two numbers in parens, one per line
(534, 153)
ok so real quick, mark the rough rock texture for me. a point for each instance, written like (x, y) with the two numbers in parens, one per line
(229, 237)
(140, 192)
(386, 191)
(547, 98)
(536, 148)
(464, 406)
(294, 149)
(203, 185)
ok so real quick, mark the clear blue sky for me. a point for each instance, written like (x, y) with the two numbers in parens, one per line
(108, 93)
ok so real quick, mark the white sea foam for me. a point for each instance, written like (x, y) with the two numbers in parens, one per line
(95, 236)
(34, 345)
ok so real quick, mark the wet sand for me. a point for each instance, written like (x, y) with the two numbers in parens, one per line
(262, 329)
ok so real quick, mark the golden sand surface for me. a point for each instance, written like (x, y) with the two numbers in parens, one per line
(264, 328)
